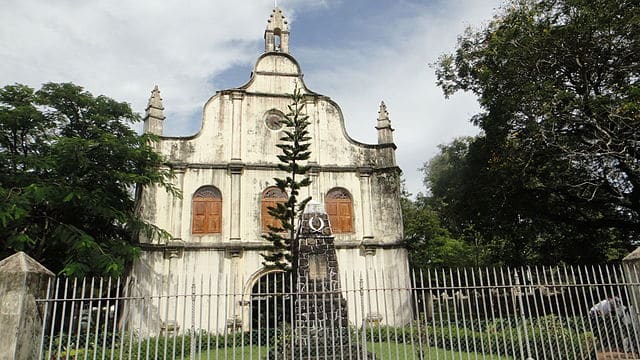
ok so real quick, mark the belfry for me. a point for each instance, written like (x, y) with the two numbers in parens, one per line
(225, 175)
(276, 37)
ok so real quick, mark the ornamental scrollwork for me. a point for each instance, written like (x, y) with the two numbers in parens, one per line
(339, 193)
(208, 192)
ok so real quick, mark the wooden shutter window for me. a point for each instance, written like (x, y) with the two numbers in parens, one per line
(206, 211)
(340, 210)
(270, 198)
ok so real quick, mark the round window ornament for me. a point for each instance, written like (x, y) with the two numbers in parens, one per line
(273, 121)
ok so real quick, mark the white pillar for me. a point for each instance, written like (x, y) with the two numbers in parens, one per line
(177, 205)
(365, 196)
(236, 167)
(236, 126)
(22, 281)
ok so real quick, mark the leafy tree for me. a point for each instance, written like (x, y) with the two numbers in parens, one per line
(295, 149)
(504, 224)
(68, 164)
(446, 176)
(558, 83)
(431, 245)
(470, 203)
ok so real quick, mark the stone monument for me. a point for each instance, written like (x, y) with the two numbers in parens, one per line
(321, 324)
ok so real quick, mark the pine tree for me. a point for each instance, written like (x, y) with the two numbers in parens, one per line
(295, 149)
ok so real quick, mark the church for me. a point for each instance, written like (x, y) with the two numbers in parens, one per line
(226, 173)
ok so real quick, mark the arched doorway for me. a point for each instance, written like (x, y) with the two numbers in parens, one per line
(271, 301)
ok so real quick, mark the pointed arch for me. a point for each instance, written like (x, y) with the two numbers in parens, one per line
(339, 205)
(206, 211)
(271, 197)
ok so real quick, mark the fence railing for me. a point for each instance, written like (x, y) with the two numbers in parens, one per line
(489, 313)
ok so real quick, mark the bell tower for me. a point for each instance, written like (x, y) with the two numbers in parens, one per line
(276, 36)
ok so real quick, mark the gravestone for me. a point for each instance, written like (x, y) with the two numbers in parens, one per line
(321, 324)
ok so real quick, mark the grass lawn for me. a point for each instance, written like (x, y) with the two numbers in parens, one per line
(390, 351)
(382, 351)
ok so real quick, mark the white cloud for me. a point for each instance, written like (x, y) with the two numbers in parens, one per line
(123, 48)
(396, 69)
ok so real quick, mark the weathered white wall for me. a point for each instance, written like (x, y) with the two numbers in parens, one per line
(227, 281)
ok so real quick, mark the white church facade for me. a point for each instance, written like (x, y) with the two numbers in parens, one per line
(225, 173)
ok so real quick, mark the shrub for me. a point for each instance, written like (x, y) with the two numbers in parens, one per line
(545, 335)
(129, 345)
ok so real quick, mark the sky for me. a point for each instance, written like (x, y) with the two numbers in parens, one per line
(358, 52)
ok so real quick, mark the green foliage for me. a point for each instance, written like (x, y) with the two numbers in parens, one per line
(132, 346)
(555, 175)
(68, 164)
(429, 243)
(295, 149)
(281, 344)
(499, 338)
(545, 335)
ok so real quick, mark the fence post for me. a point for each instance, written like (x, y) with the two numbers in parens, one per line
(194, 338)
(518, 293)
(364, 321)
(22, 281)
(631, 268)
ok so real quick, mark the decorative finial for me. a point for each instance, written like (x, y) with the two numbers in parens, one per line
(383, 114)
(385, 131)
(154, 114)
(155, 101)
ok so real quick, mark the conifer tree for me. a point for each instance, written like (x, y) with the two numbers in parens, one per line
(295, 149)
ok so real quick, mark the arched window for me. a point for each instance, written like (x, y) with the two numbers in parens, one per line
(206, 211)
(277, 39)
(340, 210)
(271, 196)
